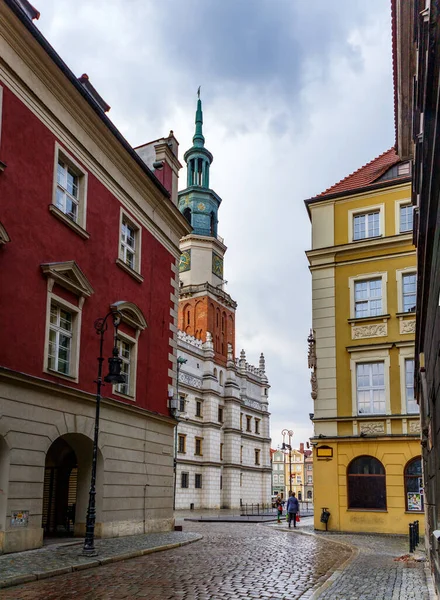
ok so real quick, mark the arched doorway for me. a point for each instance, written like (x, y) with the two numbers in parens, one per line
(66, 485)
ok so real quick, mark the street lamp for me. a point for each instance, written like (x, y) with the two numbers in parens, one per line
(288, 433)
(114, 377)
(175, 413)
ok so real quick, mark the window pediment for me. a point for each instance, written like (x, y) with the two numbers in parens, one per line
(131, 314)
(68, 275)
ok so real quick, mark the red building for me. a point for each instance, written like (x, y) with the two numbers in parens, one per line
(85, 226)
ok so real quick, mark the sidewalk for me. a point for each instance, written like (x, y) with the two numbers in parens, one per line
(380, 568)
(66, 557)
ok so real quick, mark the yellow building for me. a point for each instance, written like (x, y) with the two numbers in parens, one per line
(294, 470)
(367, 466)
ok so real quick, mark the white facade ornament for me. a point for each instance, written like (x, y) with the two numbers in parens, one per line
(190, 380)
(359, 332)
(414, 426)
(189, 339)
(408, 326)
(313, 364)
(372, 427)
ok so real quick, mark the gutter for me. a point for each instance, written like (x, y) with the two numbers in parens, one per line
(38, 36)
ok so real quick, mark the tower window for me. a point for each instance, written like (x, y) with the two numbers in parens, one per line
(187, 214)
(187, 317)
(212, 226)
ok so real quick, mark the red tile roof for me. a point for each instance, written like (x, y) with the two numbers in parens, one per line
(366, 175)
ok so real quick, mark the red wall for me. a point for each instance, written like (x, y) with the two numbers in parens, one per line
(26, 185)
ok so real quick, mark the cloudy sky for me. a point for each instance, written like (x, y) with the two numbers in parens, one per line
(296, 95)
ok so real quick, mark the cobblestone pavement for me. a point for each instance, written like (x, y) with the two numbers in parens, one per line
(231, 562)
(66, 557)
(374, 574)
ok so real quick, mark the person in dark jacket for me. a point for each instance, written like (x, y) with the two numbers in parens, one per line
(292, 508)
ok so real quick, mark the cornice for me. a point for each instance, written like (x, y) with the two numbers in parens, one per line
(30, 381)
(204, 240)
(370, 417)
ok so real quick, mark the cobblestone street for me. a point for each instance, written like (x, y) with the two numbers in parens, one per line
(232, 561)
(249, 561)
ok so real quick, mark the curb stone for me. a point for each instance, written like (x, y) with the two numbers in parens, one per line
(20, 579)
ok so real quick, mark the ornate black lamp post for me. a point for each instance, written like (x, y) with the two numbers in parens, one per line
(289, 434)
(114, 377)
(175, 413)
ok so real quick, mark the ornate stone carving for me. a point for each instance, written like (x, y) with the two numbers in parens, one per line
(408, 326)
(372, 427)
(312, 350)
(359, 332)
(254, 404)
(414, 426)
(190, 380)
(314, 384)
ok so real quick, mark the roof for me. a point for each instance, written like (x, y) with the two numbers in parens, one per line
(363, 177)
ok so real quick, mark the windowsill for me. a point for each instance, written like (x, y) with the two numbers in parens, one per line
(129, 270)
(382, 415)
(126, 396)
(65, 219)
(406, 314)
(375, 510)
(414, 512)
(72, 378)
(364, 239)
(180, 452)
(384, 317)
(198, 454)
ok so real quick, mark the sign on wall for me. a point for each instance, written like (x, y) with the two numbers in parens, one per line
(20, 518)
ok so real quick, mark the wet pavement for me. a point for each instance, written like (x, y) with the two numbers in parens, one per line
(231, 561)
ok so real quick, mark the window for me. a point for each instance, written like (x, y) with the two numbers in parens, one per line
(125, 353)
(241, 479)
(221, 451)
(309, 467)
(130, 246)
(220, 414)
(414, 500)
(409, 284)
(298, 479)
(199, 447)
(298, 467)
(182, 443)
(411, 404)
(366, 225)
(309, 479)
(368, 298)
(366, 484)
(309, 494)
(182, 404)
(60, 340)
(299, 496)
(248, 423)
(257, 426)
(241, 454)
(281, 478)
(198, 481)
(241, 421)
(221, 378)
(275, 478)
(370, 383)
(257, 456)
(406, 218)
(221, 482)
(67, 193)
(184, 480)
(198, 408)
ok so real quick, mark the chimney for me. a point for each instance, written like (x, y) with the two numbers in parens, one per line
(301, 448)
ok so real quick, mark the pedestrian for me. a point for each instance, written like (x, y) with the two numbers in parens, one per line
(292, 509)
(279, 509)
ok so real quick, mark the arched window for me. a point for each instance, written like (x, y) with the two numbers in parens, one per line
(188, 316)
(309, 494)
(366, 484)
(221, 378)
(215, 373)
(212, 223)
(414, 500)
(187, 214)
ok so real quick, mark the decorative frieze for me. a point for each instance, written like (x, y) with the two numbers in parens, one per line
(254, 404)
(372, 427)
(190, 380)
(360, 332)
(313, 364)
(407, 326)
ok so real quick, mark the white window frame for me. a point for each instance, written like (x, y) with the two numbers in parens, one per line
(399, 278)
(134, 271)
(369, 299)
(128, 339)
(76, 312)
(365, 277)
(405, 353)
(370, 356)
(79, 226)
(398, 205)
(355, 212)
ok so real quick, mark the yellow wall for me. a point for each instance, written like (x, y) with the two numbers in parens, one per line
(331, 487)
(346, 259)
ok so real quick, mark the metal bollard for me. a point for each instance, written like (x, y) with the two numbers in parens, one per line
(417, 540)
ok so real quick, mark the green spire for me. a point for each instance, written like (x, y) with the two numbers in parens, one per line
(198, 139)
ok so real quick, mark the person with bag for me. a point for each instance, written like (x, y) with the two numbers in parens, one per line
(293, 509)
(279, 509)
